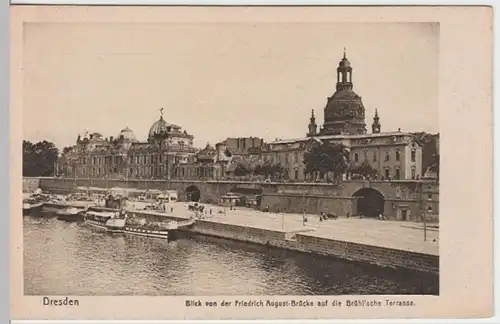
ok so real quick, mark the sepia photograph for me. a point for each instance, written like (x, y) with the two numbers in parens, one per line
(184, 158)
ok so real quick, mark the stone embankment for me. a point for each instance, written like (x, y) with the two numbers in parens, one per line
(308, 241)
(383, 243)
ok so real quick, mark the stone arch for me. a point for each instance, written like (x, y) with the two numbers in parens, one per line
(193, 193)
(370, 202)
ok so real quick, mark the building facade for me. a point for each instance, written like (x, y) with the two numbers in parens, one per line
(243, 145)
(94, 156)
(393, 155)
(209, 163)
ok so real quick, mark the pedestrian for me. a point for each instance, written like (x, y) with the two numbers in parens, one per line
(171, 209)
(348, 215)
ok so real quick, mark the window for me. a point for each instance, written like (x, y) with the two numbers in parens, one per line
(356, 157)
(429, 209)
(296, 173)
(413, 155)
(145, 159)
(286, 158)
(429, 196)
(397, 155)
(296, 157)
(413, 173)
(374, 156)
(387, 173)
(181, 146)
(398, 174)
(387, 156)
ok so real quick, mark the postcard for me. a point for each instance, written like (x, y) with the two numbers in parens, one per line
(251, 162)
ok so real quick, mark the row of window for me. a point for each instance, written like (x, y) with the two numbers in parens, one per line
(397, 173)
(144, 171)
(387, 156)
(132, 159)
(277, 158)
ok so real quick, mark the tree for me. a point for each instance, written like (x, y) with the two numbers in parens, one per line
(241, 170)
(67, 149)
(365, 169)
(327, 158)
(270, 170)
(434, 165)
(39, 159)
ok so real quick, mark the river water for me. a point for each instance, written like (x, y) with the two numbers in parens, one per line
(63, 258)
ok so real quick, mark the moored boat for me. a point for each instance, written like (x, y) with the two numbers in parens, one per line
(71, 214)
(108, 221)
(31, 207)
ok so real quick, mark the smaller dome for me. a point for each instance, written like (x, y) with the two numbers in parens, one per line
(127, 134)
(160, 126)
(345, 63)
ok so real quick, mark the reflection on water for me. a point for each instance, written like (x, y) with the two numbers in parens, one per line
(63, 258)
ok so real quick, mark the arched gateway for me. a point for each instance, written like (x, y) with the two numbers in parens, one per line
(370, 202)
(193, 193)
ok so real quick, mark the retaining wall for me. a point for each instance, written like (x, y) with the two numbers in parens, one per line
(308, 243)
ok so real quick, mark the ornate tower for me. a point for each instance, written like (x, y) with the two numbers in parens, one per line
(376, 123)
(313, 128)
(344, 111)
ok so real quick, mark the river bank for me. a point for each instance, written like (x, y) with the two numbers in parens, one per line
(70, 259)
(383, 243)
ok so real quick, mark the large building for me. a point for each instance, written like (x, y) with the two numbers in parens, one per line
(393, 155)
(124, 156)
(168, 151)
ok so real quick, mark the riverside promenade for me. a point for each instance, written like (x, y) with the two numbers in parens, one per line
(394, 235)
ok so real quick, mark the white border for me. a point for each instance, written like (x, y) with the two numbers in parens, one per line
(4, 140)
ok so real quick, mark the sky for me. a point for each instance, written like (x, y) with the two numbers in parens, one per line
(222, 80)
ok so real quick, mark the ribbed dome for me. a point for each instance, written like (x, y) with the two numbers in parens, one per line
(159, 127)
(127, 134)
(344, 104)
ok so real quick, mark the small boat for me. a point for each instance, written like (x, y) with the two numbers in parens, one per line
(108, 221)
(31, 206)
(71, 214)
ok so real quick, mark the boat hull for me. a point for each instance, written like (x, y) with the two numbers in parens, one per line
(70, 217)
(32, 209)
(111, 226)
(147, 233)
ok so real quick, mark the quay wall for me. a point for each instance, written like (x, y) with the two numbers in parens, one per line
(408, 196)
(342, 206)
(307, 242)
